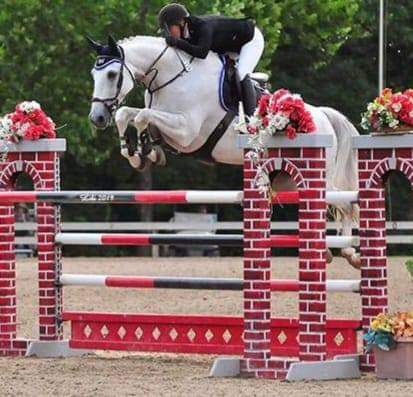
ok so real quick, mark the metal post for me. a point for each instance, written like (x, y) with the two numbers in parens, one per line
(381, 46)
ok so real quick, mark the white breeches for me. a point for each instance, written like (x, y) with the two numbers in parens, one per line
(250, 54)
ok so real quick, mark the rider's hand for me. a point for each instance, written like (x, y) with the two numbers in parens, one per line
(171, 41)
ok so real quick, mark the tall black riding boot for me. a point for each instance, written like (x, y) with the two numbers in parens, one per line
(249, 96)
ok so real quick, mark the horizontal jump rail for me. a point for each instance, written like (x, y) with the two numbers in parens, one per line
(157, 197)
(233, 240)
(195, 283)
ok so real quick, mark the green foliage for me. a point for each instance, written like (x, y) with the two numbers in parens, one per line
(382, 339)
(324, 49)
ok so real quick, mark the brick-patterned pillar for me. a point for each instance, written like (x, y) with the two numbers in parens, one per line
(304, 160)
(8, 309)
(48, 224)
(40, 160)
(312, 257)
(257, 276)
(377, 156)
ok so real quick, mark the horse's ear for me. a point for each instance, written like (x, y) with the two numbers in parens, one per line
(113, 47)
(95, 45)
(111, 41)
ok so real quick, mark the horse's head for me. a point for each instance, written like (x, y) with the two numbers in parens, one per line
(113, 80)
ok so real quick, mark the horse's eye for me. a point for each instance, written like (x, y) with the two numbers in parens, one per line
(112, 75)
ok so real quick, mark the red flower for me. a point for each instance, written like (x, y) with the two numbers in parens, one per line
(291, 132)
(252, 129)
(279, 94)
(36, 125)
(263, 105)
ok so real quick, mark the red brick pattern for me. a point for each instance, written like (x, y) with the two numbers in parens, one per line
(373, 165)
(43, 168)
(307, 168)
(257, 275)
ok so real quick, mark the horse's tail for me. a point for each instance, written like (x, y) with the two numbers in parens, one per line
(346, 173)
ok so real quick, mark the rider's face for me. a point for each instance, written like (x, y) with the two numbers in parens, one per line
(175, 31)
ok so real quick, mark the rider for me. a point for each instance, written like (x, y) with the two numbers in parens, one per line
(197, 35)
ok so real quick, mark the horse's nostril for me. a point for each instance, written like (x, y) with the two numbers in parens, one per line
(101, 120)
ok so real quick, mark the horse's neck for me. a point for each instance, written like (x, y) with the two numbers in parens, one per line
(142, 52)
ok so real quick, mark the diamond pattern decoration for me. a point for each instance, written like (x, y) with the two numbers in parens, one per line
(104, 331)
(87, 331)
(191, 335)
(209, 335)
(121, 332)
(227, 336)
(156, 333)
(173, 334)
(339, 339)
(138, 333)
(282, 337)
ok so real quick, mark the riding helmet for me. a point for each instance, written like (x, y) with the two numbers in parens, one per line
(171, 14)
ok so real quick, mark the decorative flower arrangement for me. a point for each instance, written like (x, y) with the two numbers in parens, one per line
(389, 112)
(27, 122)
(385, 330)
(280, 113)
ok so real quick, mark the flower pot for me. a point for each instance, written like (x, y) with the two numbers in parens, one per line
(401, 130)
(396, 363)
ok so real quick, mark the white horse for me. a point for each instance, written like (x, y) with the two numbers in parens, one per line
(184, 106)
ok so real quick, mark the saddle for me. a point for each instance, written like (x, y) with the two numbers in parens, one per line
(230, 88)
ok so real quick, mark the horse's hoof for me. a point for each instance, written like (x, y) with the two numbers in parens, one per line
(352, 258)
(355, 261)
(160, 156)
(145, 164)
(329, 256)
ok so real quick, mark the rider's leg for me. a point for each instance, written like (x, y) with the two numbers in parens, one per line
(248, 59)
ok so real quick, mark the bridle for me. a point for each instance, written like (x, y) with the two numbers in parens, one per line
(103, 61)
(112, 104)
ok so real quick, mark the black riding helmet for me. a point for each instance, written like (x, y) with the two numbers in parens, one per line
(171, 14)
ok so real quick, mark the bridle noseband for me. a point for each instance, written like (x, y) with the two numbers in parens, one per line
(112, 104)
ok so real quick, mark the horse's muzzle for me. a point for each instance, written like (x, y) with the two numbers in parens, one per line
(99, 116)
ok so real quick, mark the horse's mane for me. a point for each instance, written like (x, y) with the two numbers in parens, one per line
(135, 39)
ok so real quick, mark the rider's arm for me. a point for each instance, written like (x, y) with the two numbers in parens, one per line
(201, 49)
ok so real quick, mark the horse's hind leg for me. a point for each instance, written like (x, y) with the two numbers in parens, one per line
(349, 253)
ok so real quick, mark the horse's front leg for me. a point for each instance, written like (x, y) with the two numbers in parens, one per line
(125, 116)
(173, 125)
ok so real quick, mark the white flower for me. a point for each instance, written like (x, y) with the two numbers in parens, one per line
(6, 123)
(396, 107)
(371, 107)
(28, 106)
(394, 123)
(279, 121)
(254, 121)
(22, 128)
(411, 114)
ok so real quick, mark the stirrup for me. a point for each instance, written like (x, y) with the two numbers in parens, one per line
(260, 77)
